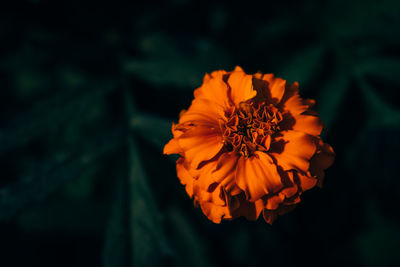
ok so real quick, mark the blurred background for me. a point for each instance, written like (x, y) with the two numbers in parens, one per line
(87, 95)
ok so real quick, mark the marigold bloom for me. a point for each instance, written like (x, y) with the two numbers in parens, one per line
(248, 144)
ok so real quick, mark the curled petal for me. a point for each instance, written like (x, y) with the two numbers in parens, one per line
(175, 131)
(271, 215)
(205, 178)
(214, 212)
(297, 151)
(172, 147)
(203, 112)
(215, 194)
(224, 172)
(289, 191)
(292, 102)
(200, 144)
(247, 209)
(214, 89)
(274, 201)
(241, 86)
(295, 105)
(308, 124)
(306, 182)
(257, 176)
(322, 160)
(184, 176)
(277, 88)
(325, 157)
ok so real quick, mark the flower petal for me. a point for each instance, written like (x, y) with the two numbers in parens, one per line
(271, 215)
(172, 147)
(205, 178)
(200, 144)
(306, 182)
(241, 86)
(308, 124)
(276, 87)
(216, 195)
(203, 112)
(250, 210)
(322, 160)
(288, 192)
(214, 89)
(274, 201)
(226, 168)
(298, 149)
(214, 212)
(225, 173)
(257, 176)
(184, 176)
(292, 102)
(325, 157)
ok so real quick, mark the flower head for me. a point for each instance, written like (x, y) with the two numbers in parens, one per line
(248, 144)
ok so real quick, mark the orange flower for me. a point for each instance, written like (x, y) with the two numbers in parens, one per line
(248, 144)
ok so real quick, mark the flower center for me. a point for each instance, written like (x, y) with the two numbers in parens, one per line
(249, 127)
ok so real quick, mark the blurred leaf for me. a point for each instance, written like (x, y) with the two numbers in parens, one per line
(380, 113)
(148, 241)
(116, 245)
(54, 172)
(27, 82)
(378, 244)
(367, 20)
(61, 215)
(178, 64)
(35, 122)
(155, 129)
(386, 69)
(149, 245)
(82, 188)
(191, 249)
(330, 98)
(304, 66)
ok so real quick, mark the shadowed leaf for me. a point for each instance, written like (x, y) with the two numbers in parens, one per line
(304, 66)
(116, 245)
(331, 97)
(155, 129)
(59, 168)
(380, 112)
(34, 123)
(179, 64)
(149, 246)
(386, 69)
(189, 245)
(148, 241)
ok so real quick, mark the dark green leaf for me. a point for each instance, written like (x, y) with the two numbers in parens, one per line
(37, 121)
(59, 168)
(170, 63)
(386, 69)
(381, 114)
(304, 66)
(116, 245)
(191, 249)
(331, 97)
(155, 129)
(148, 241)
(149, 245)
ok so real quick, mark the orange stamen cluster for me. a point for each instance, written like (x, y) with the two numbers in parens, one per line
(249, 127)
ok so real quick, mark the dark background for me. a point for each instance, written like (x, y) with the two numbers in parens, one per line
(88, 92)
